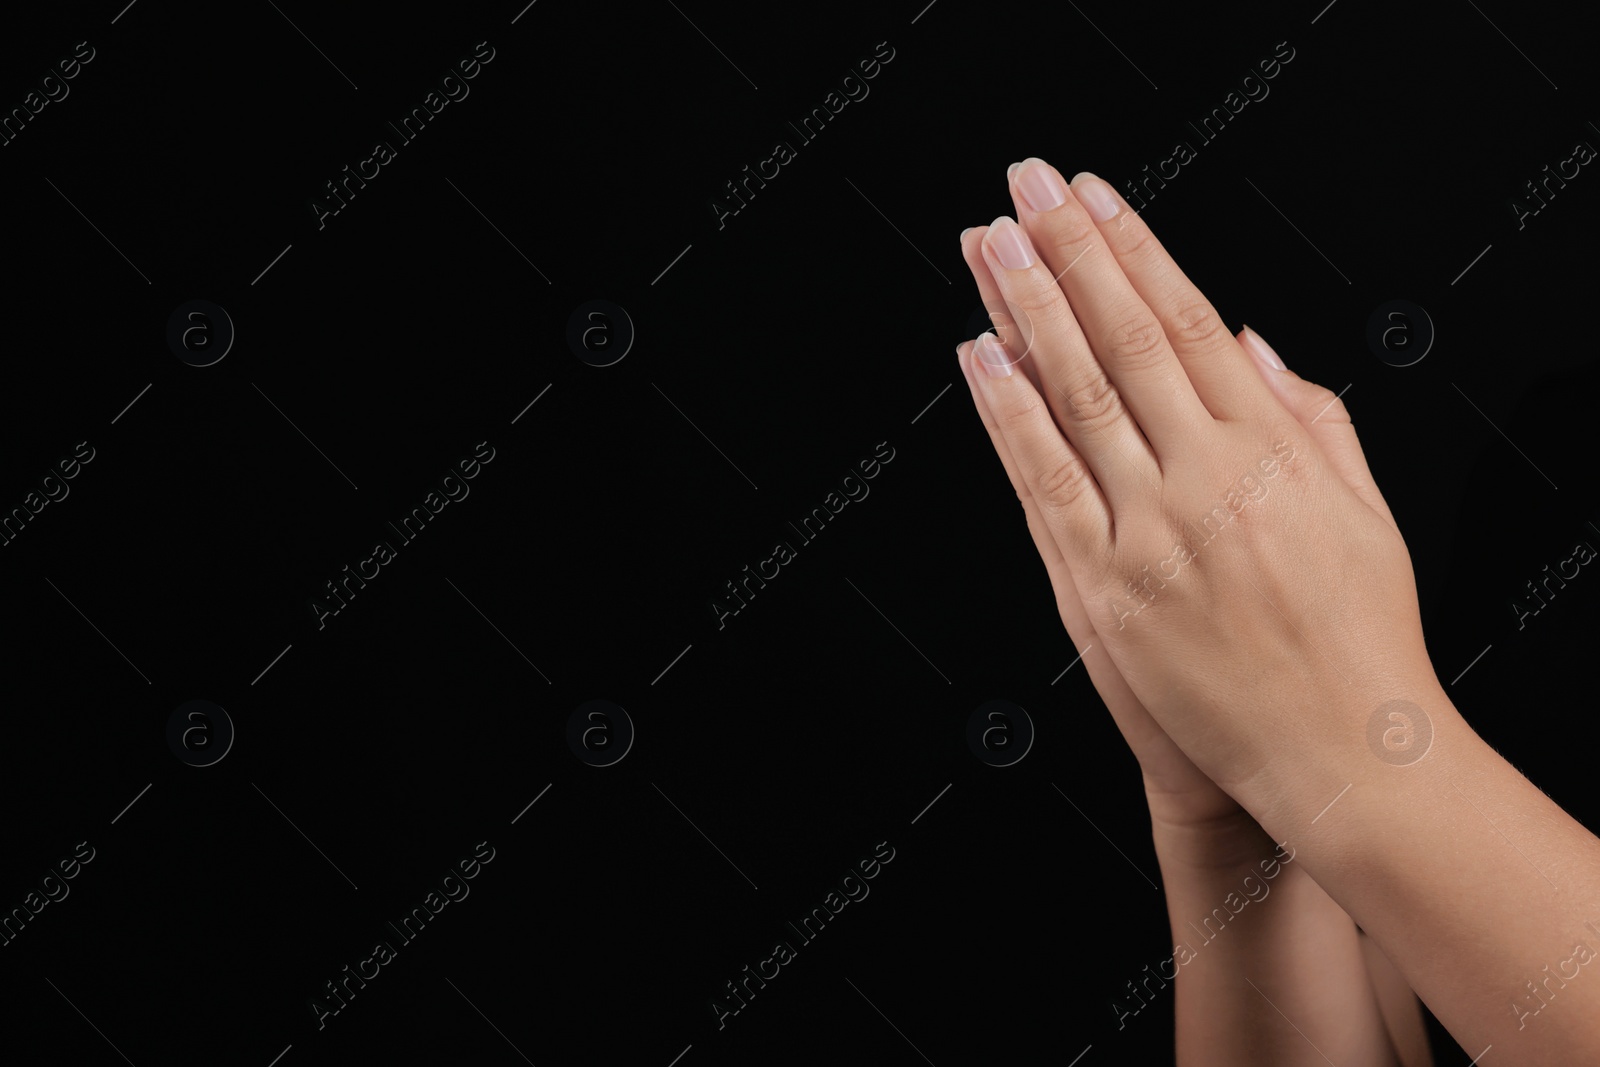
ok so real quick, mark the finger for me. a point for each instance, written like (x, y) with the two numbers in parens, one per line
(1055, 564)
(1124, 333)
(1324, 416)
(1136, 724)
(1073, 506)
(1079, 394)
(1213, 361)
(1005, 327)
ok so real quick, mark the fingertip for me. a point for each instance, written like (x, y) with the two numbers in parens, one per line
(1257, 346)
(990, 352)
(972, 243)
(1096, 195)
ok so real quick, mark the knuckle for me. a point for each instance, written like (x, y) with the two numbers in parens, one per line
(1038, 298)
(1196, 325)
(1288, 444)
(1137, 343)
(1134, 240)
(1096, 403)
(1072, 233)
(1063, 484)
(1017, 419)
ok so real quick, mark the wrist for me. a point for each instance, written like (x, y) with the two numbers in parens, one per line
(1408, 842)
(1401, 739)
(1221, 845)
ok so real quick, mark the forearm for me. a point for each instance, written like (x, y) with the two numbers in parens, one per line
(1402, 1011)
(1479, 888)
(1266, 967)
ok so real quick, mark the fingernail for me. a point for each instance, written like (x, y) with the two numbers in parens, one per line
(992, 354)
(1010, 244)
(965, 232)
(1261, 350)
(1095, 195)
(1012, 169)
(1040, 185)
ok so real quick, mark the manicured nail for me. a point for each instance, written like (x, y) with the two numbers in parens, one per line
(1261, 350)
(1095, 195)
(1040, 185)
(965, 232)
(1012, 169)
(1010, 244)
(992, 354)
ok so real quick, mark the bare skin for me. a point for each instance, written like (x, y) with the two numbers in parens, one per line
(1218, 547)
(1306, 953)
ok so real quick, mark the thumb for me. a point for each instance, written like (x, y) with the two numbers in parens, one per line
(1324, 416)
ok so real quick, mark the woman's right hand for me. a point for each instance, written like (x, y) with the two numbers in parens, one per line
(1180, 795)
(1204, 838)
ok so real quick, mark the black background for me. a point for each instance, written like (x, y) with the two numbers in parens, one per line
(773, 753)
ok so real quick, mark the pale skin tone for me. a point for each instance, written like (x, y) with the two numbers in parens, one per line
(1243, 651)
(1304, 953)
